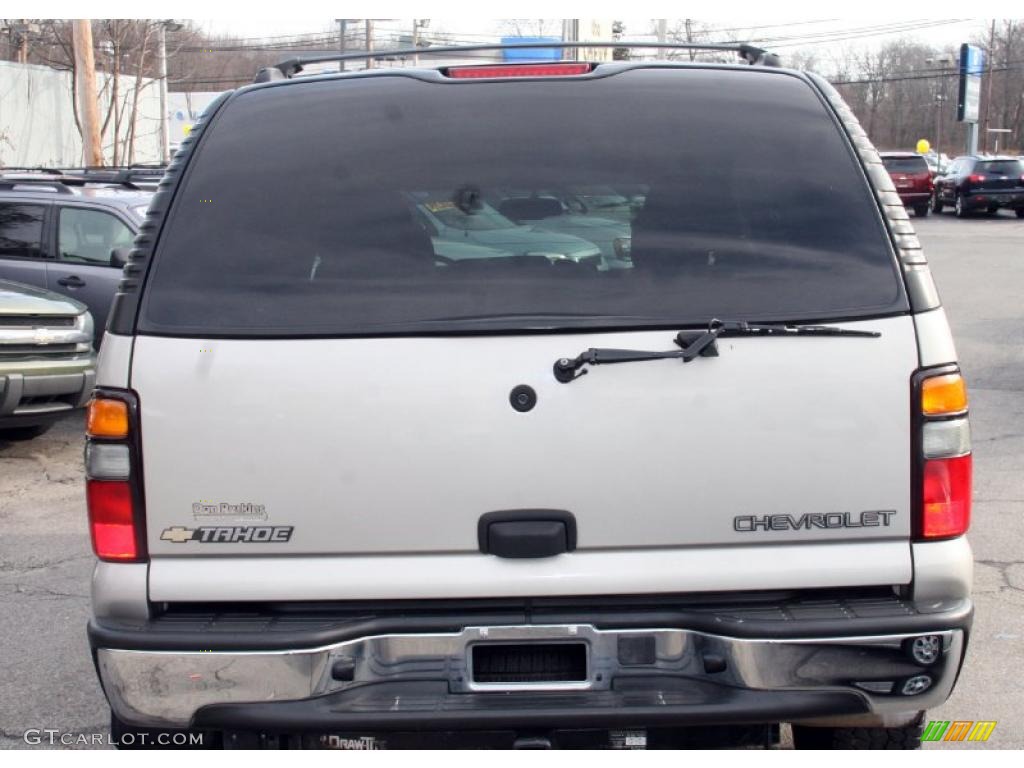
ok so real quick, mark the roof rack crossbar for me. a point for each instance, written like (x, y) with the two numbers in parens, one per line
(291, 67)
(59, 186)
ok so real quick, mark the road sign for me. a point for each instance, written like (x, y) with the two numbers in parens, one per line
(972, 64)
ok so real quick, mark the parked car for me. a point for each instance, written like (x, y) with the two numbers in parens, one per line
(937, 163)
(47, 365)
(605, 202)
(60, 233)
(345, 493)
(912, 178)
(981, 183)
(481, 225)
(564, 213)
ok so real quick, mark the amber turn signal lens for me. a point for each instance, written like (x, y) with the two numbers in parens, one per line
(943, 395)
(107, 418)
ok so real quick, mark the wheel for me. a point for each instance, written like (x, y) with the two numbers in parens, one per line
(1020, 213)
(921, 210)
(936, 203)
(809, 737)
(961, 211)
(17, 434)
(993, 211)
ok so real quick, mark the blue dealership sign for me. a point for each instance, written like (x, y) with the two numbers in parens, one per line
(972, 64)
(553, 51)
(972, 60)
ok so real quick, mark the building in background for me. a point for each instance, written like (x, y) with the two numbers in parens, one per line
(38, 125)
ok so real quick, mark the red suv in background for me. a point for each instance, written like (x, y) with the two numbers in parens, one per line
(912, 177)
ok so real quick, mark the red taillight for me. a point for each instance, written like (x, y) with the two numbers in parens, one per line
(946, 502)
(113, 486)
(112, 521)
(976, 178)
(942, 506)
(520, 70)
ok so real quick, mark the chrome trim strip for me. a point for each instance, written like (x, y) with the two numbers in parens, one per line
(167, 688)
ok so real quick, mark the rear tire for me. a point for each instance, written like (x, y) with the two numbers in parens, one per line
(961, 211)
(809, 737)
(1020, 213)
(936, 203)
(921, 210)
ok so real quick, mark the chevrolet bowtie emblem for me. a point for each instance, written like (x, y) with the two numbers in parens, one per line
(177, 534)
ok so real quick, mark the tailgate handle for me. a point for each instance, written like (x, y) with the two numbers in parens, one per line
(523, 533)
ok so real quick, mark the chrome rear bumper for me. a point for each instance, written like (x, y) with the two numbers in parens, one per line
(874, 675)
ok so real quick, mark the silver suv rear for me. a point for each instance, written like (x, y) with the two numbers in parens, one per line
(347, 490)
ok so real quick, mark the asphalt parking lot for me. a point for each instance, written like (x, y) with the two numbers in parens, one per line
(45, 558)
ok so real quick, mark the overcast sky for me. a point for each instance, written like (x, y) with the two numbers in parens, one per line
(951, 34)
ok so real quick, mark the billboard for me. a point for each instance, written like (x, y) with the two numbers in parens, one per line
(972, 64)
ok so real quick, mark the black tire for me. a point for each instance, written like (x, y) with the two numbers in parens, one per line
(961, 211)
(18, 434)
(993, 211)
(1020, 213)
(921, 210)
(809, 737)
(936, 203)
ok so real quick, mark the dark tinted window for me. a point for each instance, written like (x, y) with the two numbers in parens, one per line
(389, 204)
(999, 167)
(21, 229)
(905, 164)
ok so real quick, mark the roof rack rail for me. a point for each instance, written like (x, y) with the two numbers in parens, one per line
(29, 169)
(56, 184)
(130, 178)
(291, 67)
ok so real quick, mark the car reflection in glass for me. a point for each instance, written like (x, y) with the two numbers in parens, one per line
(485, 233)
(568, 213)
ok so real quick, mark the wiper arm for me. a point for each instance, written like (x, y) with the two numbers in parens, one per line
(694, 344)
(743, 328)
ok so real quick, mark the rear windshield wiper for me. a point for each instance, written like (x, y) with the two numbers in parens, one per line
(694, 344)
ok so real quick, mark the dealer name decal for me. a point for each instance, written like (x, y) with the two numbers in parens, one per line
(242, 511)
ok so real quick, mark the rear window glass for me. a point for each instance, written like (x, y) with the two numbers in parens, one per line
(394, 205)
(906, 164)
(999, 167)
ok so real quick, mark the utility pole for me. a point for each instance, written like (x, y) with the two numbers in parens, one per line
(165, 144)
(23, 43)
(570, 34)
(369, 43)
(85, 92)
(988, 96)
(689, 38)
(417, 25)
(342, 29)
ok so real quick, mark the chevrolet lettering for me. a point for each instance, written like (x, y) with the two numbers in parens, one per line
(869, 519)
